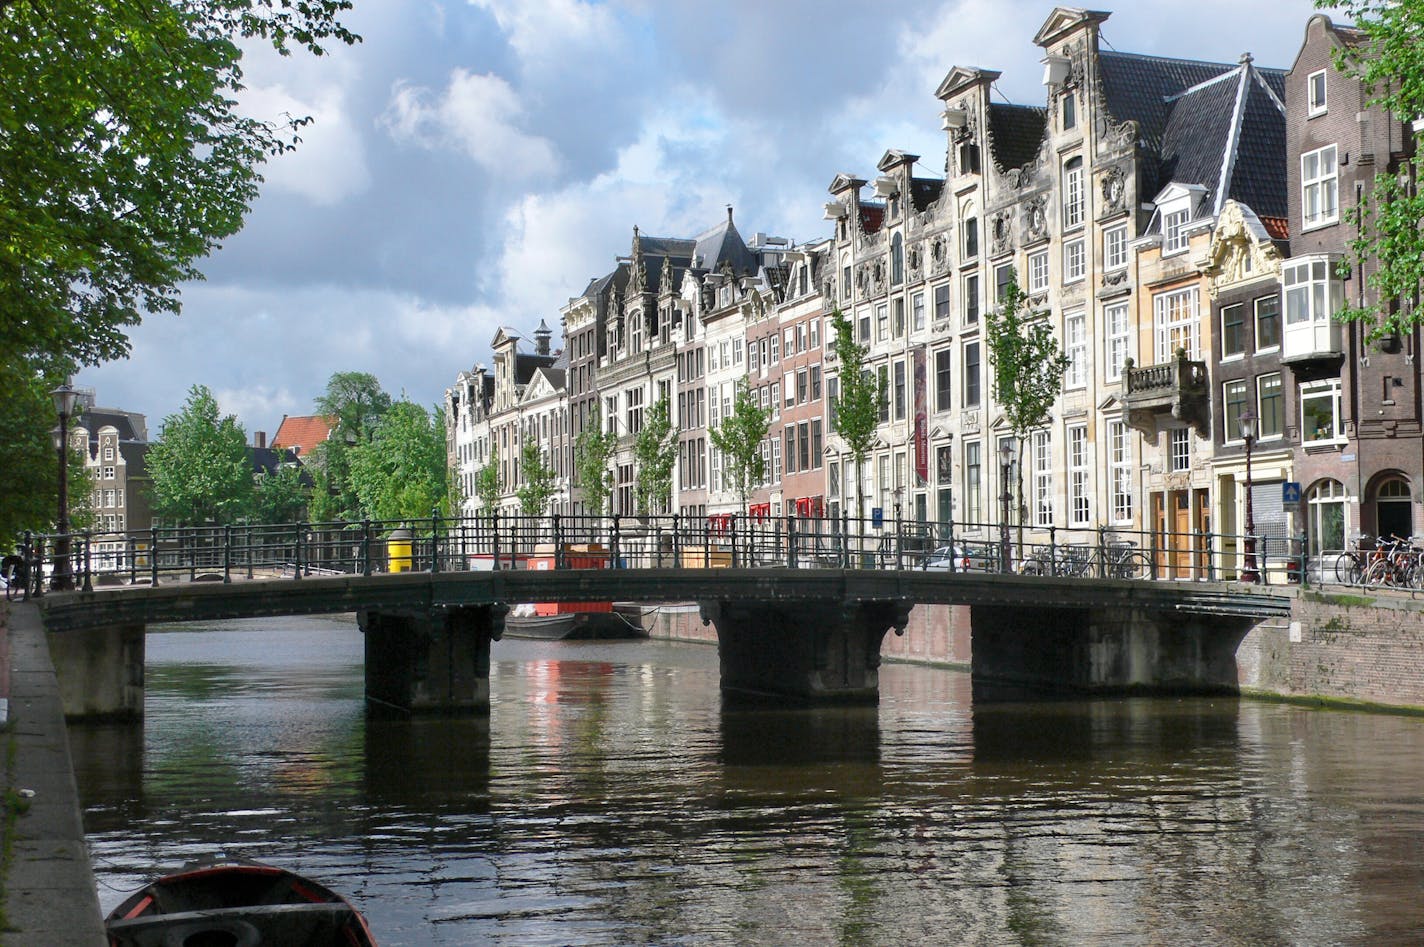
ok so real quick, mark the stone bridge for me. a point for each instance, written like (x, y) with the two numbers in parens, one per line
(810, 634)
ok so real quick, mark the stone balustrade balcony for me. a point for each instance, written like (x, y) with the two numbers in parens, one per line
(1179, 389)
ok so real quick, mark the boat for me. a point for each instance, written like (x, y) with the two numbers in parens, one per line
(236, 903)
(560, 621)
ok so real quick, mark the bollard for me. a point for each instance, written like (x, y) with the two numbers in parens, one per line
(791, 542)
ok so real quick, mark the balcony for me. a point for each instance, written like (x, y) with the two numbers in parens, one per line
(1316, 339)
(1180, 388)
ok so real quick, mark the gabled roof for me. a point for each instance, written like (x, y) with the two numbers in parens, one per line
(724, 244)
(960, 78)
(302, 432)
(1141, 88)
(131, 426)
(1015, 133)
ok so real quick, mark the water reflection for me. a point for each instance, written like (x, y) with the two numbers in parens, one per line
(612, 798)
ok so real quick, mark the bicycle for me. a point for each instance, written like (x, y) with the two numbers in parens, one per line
(16, 574)
(1351, 564)
(1396, 565)
(1114, 560)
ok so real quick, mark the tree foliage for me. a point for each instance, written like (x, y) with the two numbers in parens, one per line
(30, 498)
(655, 454)
(1027, 363)
(489, 486)
(538, 482)
(355, 402)
(200, 468)
(592, 453)
(281, 496)
(124, 156)
(857, 405)
(399, 474)
(1388, 245)
(739, 437)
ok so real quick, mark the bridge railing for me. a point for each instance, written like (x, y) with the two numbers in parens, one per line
(243, 551)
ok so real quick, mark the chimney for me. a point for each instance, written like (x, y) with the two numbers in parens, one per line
(541, 338)
(259, 439)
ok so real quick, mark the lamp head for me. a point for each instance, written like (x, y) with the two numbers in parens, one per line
(1247, 423)
(64, 397)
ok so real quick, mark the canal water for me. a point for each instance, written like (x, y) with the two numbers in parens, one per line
(611, 798)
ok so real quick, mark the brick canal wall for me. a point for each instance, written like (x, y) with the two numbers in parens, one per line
(1346, 647)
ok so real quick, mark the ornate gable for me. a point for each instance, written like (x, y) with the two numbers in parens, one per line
(846, 182)
(1064, 20)
(1241, 251)
(962, 77)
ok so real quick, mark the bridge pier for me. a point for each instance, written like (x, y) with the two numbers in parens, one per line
(432, 661)
(1106, 649)
(100, 671)
(806, 651)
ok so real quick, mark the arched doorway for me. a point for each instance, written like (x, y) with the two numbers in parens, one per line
(1325, 517)
(1393, 514)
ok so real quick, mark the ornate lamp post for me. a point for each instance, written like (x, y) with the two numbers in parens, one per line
(1006, 463)
(1249, 573)
(64, 397)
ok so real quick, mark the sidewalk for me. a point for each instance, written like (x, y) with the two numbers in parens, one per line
(50, 896)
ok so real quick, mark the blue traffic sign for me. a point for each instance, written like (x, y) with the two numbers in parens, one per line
(877, 516)
(1290, 492)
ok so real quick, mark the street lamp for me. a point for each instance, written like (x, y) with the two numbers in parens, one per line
(1247, 424)
(64, 397)
(1006, 463)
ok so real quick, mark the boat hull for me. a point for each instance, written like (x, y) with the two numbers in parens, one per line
(571, 626)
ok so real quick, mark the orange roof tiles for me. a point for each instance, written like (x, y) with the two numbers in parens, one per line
(302, 432)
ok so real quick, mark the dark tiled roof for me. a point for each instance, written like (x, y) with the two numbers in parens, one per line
(92, 419)
(1195, 136)
(268, 459)
(526, 365)
(925, 191)
(1138, 88)
(1015, 133)
(1259, 177)
(135, 454)
(724, 243)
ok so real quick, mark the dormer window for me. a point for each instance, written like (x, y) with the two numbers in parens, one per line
(1315, 94)
(1070, 111)
(1174, 231)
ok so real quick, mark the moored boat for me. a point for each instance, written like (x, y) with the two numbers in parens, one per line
(236, 903)
(570, 625)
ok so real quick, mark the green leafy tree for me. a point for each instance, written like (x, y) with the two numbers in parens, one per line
(593, 451)
(200, 468)
(489, 486)
(1388, 246)
(399, 474)
(655, 453)
(30, 499)
(281, 496)
(857, 404)
(355, 402)
(125, 158)
(739, 438)
(539, 480)
(1027, 363)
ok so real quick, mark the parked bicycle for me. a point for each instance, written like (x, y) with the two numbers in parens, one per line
(1351, 564)
(14, 575)
(1114, 560)
(1396, 565)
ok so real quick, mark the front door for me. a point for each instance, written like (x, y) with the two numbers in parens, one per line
(1180, 533)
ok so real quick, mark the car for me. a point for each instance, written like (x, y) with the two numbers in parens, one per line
(960, 558)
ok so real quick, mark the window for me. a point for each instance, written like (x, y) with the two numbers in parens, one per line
(803, 446)
(1315, 94)
(1174, 236)
(1268, 323)
(897, 260)
(816, 443)
(884, 374)
(941, 302)
(845, 277)
(802, 385)
(943, 380)
(1326, 517)
(1319, 183)
(1120, 471)
(897, 325)
(1003, 276)
(1075, 264)
(1320, 412)
(788, 347)
(971, 238)
(971, 299)
(900, 390)
(1038, 271)
(1073, 194)
(973, 484)
(1078, 504)
(863, 329)
(971, 374)
(1180, 452)
(776, 348)
(1042, 480)
(882, 322)
(1115, 347)
(1177, 325)
(1233, 330)
(1075, 335)
(815, 333)
(1115, 248)
(1311, 296)
(108, 473)
(1270, 410)
(753, 358)
(1233, 394)
(788, 386)
(815, 383)
(917, 309)
(1070, 111)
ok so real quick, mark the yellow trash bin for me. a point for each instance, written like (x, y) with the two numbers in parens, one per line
(398, 556)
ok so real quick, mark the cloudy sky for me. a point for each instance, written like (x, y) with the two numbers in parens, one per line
(474, 163)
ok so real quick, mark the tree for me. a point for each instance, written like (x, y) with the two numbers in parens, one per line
(1027, 363)
(355, 403)
(655, 453)
(857, 405)
(30, 498)
(539, 479)
(739, 438)
(124, 157)
(592, 452)
(488, 485)
(1388, 246)
(200, 469)
(399, 474)
(281, 496)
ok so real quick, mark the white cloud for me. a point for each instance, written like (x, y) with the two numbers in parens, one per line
(553, 33)
(476, 114)
(330, 163)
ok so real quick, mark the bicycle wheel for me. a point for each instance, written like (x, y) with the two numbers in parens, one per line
(1033, 567)
(1348, 569)
(1134, 565)
(1378, 574)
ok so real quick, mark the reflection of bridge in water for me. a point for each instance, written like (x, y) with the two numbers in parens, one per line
(805, 634)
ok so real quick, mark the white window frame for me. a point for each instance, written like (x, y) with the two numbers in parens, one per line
(1312, 295)
(1075, 260)
(1120, 471)
(1115, 342)
(1261, 411)
(973, 484)
(1176, 319)
(1073, 196)
(1079, 496)
(1115, 248)
(1320, 187)
(1042, 459)
(1314, 391)
(1174, 231)
(1038, 272)
(1075, 346)
(1179, 449)
(1315, 105)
